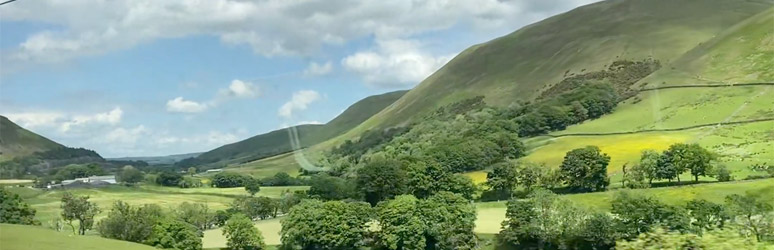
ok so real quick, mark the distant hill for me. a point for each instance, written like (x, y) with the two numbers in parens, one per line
(157, 160)
(278, 141)
(17, 141)
(522, 64)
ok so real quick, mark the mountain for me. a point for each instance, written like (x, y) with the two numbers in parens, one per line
(17, 141)
(520, 65)
(279, 141)
(157, 160)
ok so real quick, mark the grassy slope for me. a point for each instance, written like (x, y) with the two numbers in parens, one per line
(743, 53)
(491, 214)
(18, 237)
(17, 141)
(739, 145)
(519, 65)
(278, 141)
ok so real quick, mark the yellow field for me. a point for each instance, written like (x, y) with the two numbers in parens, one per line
(622, 149)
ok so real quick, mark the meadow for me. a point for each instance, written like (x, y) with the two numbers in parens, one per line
(47, 203)
(39, 238)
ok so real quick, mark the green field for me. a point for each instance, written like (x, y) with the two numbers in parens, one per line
(491, 214)
(16, 237)
(47, 202)
(270, 229)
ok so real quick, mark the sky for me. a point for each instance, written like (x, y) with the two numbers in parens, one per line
(152, 78)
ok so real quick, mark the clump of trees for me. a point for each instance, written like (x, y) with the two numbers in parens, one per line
(585, 169)
(315, 224)
(547, 221)
(672, 163)
(130, 175)
(149, 224)
(230, 179)
(13, 210)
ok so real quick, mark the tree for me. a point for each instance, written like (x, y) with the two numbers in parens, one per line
(326, 187)
(427, 177)
(125, 222)
(530, 175)
(241, 234)
(699, 161)
(252, 185)
(503, 178)
(543, 221)
(130, 175)
(381, 179)
(753, 211)
(673, 161)
(256, 207)
(586, 169)
(196, 214)
(192, 171)
(171, 233)
(15, 211)
(648, 166)
(639, 214)
(706, 215)
(443, 221)
(288, 200)
(169, 179)
(714, 240)
(315, 224)
(80, 209)
(229, 179)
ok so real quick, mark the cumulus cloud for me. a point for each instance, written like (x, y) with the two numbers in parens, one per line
(111, 117)
(298, 102)
(180, 105)
(36, 119)
(394, 63)
(237, 89)
(270, 28)
(316, 69)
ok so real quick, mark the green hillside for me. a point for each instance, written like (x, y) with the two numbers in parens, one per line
(17, 141)
(735, 121)
(743, 53)
(518, 66)
(17, 237)
(279, 141)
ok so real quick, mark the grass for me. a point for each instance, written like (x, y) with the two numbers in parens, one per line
(40, 238)
(269, 166)
(491, 214)
(47, 203)
(270, 229)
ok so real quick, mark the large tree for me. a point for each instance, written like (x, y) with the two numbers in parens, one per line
(130, 175)
(80, 209)
(196, 214)
(443, 221)
(753, 211)
(252, 185)
(315, 224)
(15, 211)
(381, 179)
(125, 222)
(503, 178)
(586, 168)
(241, 234)
(171, 233)
(639, 214)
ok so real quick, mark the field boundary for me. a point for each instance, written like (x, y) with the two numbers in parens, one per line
(663, 129)
(718, 85)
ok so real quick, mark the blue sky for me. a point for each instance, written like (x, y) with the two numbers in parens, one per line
(140, 78)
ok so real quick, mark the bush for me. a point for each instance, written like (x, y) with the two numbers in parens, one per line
(128, 223)
(14, 211)
(723, 174)
(169, 179)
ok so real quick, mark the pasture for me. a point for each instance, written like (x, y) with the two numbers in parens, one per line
(39, 238)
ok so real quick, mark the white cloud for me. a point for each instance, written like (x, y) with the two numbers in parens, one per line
(36, 119)
(125, 136)
(237, 89)
(111, 117)
(180, 105)
(298, 102)
(395, 63)
(316, 69)
(270, 28)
